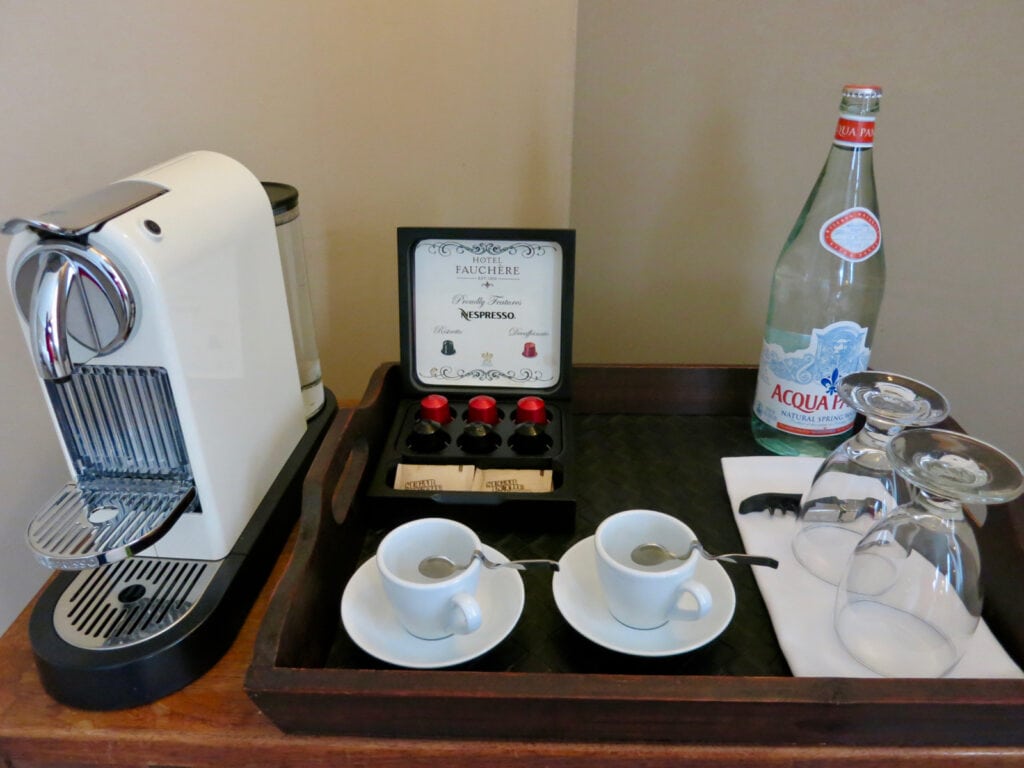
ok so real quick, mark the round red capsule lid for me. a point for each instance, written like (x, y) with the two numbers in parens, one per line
(531, 409)
(435, 408)
(483, 408)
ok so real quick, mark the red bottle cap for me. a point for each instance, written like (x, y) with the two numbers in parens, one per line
(531, 409)
(483, 408)
(435, 408)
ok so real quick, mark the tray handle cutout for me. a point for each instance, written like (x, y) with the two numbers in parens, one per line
(351, 477)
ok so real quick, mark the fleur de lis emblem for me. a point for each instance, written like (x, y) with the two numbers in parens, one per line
(830, 383)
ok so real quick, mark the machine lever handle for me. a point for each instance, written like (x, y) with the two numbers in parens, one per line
(48, 317)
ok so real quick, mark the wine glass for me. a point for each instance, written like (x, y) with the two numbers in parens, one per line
(856, 485)
(911, 597)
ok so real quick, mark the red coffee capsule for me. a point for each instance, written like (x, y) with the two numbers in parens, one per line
(435, 408)
(531, 409)
(484, 409)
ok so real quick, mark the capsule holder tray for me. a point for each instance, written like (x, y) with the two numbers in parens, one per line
(547, 449)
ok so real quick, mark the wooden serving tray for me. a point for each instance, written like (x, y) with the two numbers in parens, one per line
(649, 436)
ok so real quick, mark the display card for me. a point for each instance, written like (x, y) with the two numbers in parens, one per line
(487, 313)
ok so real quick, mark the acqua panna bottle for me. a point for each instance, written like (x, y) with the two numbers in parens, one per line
(825, 296)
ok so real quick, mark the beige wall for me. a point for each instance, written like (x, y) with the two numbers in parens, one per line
(382, 113)
(700, 128)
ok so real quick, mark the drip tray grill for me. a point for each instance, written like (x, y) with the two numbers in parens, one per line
(124, 603)
(89, 525)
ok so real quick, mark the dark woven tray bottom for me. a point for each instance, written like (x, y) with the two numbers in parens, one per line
(628, 461)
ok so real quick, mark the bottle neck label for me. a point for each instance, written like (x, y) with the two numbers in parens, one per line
(797, 392)
(855, 131)
(853, 235)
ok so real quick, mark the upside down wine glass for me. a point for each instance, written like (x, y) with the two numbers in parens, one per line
(856, 486)
(911, 597)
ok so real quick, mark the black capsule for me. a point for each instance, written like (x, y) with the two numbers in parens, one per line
(428, 436)
(478, 437)
(530, 439)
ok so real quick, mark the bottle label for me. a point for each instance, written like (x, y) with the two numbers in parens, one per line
(854, 235)
(855, 131)
(797, 392)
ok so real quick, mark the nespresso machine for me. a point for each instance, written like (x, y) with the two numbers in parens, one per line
(156, 315)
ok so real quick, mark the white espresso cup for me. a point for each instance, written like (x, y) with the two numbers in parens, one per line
(431, 608)
(645, 597)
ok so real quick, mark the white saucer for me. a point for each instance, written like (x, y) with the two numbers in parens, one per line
(578, 596)
(371, 623)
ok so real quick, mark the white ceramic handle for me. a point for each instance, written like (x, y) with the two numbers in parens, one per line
(465, 614)
(683, 608)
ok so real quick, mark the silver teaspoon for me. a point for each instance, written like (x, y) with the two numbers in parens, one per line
(440, 566)
(655, 554)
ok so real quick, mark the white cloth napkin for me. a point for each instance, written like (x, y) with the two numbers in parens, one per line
(800, 604)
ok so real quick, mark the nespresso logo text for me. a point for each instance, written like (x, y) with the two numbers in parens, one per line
(486, 315)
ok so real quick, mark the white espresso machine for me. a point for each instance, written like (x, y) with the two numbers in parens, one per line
(156, 316)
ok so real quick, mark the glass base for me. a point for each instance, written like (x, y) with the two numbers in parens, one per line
(825, 550)
(894, 643)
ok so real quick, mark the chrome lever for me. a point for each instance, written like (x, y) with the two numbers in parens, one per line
(66, 291)
(48, 317)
